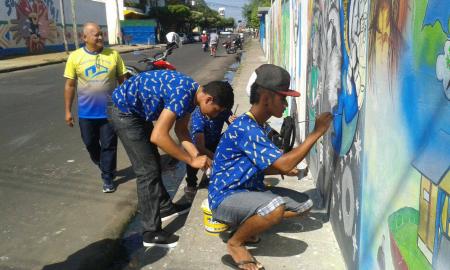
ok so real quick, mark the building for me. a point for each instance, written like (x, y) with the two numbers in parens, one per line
(221, 11)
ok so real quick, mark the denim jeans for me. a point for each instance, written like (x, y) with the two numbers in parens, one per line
(134, 133)
(101, 142)
(191, 173)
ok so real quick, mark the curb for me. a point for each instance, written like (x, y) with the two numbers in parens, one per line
(63, 59)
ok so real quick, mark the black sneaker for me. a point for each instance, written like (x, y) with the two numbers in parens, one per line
(175, 211)
(160, 239)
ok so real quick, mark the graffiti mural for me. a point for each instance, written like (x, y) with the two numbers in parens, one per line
(408, 178)
(31, 26)
(382, 67)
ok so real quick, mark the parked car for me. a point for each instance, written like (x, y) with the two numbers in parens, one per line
(196, 36)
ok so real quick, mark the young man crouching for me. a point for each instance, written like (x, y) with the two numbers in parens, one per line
(245, 154)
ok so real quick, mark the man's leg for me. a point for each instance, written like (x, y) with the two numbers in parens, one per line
(90, 134)
(108, 155)
(253, 226)
(134, 133)
(252, 213)
(191, 176)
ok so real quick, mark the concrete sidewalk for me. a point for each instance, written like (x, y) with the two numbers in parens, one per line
(30, 61)
(298, 243)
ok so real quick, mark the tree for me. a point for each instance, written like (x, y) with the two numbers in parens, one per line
(250, 11)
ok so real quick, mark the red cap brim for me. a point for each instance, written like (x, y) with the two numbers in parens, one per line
(290, 93)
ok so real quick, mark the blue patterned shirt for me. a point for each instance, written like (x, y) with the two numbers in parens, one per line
(148, 93)
(211, 128)
(243, 153)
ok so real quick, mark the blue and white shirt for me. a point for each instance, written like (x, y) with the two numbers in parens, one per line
(148, 93)
(212, 128)
(243, 153)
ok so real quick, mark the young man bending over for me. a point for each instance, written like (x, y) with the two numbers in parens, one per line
(166, 97)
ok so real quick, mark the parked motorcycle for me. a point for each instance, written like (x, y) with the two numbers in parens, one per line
(158, 61)
(229, 47)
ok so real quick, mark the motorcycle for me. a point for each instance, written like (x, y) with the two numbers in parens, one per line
(238, 43)
(157, 62)
(229, 47)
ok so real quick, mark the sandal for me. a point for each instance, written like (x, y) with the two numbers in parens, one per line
(228, 260)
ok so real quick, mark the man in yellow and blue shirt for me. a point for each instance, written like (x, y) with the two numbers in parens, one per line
(93, 71)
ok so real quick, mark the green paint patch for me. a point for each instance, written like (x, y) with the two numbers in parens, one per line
(403, 225)
(428, 40)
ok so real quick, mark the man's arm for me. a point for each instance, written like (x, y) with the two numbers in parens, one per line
(287, 162)
(182, 132)
(69, 94)
(199, 140)
(160, 136)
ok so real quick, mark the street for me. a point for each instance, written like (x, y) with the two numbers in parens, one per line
(52, 206)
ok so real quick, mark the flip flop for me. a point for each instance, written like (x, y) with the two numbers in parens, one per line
(228, 261)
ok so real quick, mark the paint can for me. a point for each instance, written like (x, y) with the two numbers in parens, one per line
(212, 227)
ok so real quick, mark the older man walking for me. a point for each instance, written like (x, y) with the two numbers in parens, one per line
(92, 72)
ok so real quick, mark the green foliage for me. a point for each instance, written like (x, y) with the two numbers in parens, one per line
(183, 18)
(250, 11)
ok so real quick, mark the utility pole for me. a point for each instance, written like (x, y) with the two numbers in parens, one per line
(74, 24)
(118, 30)
(63, 23)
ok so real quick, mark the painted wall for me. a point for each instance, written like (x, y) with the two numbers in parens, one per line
(34, 26)
(382, 67)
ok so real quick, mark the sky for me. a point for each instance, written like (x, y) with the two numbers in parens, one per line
(233, 8)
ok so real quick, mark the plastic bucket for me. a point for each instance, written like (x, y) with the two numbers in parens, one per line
(212, 227)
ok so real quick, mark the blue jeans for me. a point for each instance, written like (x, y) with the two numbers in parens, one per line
(101, 142)
(134, 133)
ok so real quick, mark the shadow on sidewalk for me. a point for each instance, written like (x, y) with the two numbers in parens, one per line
(96, 256)
(124, 175)
(142, 256)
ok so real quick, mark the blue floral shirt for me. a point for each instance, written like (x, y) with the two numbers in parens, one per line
(243, 153)
(148, 93)
(212, 128)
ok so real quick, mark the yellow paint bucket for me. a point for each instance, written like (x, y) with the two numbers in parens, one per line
(212, 227)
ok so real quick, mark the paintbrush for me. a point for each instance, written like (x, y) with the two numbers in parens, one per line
(303, 121)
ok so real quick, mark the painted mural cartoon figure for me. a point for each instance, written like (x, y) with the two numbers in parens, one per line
(33, 25)
(353, 20)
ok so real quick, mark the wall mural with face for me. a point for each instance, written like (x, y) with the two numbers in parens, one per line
(31, 26)
(382, 68)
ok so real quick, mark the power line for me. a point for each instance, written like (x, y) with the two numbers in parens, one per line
(223, 5)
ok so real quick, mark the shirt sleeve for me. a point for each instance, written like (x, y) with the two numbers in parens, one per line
(259, 149)
(197, 122)
(181, 95)
(120, 66)
(70, 70)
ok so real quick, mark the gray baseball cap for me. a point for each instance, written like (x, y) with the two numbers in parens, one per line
(274, 78)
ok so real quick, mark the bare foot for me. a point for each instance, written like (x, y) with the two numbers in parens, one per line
(240, 254)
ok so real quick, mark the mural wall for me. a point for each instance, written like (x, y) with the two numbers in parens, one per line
(34, 26)
(383, 69)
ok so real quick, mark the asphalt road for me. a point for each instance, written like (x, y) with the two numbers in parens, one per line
(51, 206)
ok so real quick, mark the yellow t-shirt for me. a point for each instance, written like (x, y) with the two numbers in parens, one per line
(96, 75)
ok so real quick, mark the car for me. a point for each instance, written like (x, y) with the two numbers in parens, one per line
(196, 36)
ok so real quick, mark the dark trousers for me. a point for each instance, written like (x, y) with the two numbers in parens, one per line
(134, 133)
(101, 142)
(191, 173)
